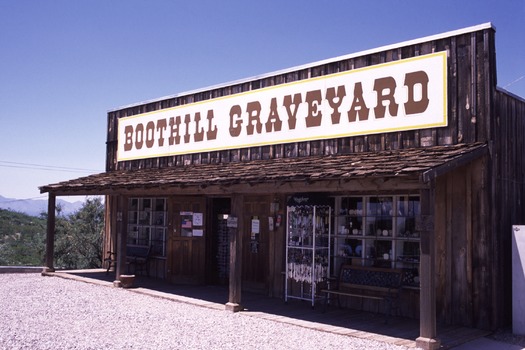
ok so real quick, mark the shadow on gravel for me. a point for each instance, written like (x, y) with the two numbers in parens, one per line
(398, 330)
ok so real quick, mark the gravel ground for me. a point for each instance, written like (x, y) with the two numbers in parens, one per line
(506, 336)
(53, 313)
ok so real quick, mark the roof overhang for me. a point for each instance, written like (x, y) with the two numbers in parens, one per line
(416, 165)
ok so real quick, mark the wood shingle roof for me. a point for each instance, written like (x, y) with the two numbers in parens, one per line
(426, 162)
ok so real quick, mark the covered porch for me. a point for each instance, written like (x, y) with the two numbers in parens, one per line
(409, 169)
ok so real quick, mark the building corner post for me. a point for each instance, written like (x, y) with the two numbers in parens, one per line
(427, 319)
(50, 235)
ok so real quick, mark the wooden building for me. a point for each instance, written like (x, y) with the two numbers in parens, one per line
(419, 128)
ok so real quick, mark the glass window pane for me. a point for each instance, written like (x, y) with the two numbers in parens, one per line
(133, 217)
(160, 204)
(133, 204)
(159, 218)
(143, 238)
(158, 242)
(147, 219)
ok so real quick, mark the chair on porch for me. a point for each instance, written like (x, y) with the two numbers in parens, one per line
(136, 256)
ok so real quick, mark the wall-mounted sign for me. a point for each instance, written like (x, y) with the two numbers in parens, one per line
(198, 219)
(186, 223)
(198, 233)
(232, 222)
(395, 96)
(256, 226)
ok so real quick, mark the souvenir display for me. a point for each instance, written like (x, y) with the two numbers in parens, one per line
(223, 248)
(377, 231)
(307, 250)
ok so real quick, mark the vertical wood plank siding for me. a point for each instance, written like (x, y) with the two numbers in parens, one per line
(470, 75)
(508, 185)
(464, 254)
(475, 205)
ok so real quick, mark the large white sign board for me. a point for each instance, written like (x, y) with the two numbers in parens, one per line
(395, 96)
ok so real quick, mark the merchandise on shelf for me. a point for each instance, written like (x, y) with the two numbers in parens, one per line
(378, 231)
(307, 250)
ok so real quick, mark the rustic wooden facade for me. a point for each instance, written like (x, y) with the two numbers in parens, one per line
(469, 176)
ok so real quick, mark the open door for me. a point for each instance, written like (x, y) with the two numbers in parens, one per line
(218, 242)
(186, 254)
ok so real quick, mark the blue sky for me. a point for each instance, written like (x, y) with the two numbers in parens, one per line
(64, 64)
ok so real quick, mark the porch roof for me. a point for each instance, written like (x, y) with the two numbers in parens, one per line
(425, 162)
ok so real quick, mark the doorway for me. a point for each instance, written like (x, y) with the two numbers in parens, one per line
(186, 258)
(218, 243)
(255, 247)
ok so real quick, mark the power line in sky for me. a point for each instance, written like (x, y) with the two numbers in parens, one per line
(32, 166)
(513, 82)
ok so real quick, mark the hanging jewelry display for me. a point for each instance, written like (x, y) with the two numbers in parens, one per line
(307, 250)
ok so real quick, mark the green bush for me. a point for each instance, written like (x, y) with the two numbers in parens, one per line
(78, 237)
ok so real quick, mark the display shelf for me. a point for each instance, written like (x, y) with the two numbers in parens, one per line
(307, 250)
(377, 231)
(147, 224)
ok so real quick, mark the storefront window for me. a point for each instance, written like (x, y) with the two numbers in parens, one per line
(378, 231)
(147, 224)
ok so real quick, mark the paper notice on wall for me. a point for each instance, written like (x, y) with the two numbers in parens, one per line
(256, 226)
(198, 233)
(270, 223)
(197, 219)
(232, 222)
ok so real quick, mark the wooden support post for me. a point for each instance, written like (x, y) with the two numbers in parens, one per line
(50, 235)
(427, 320)
(110, 237)
(234, 295)
(122, 237)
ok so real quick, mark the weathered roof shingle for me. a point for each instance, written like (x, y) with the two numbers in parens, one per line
(404, 162)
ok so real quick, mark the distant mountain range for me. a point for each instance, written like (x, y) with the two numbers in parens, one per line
(35, 207)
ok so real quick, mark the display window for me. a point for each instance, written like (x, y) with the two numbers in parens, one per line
(378, 231)
(147, 224)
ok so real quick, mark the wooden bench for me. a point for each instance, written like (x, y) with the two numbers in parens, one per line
(136, 255)
(366, 282)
